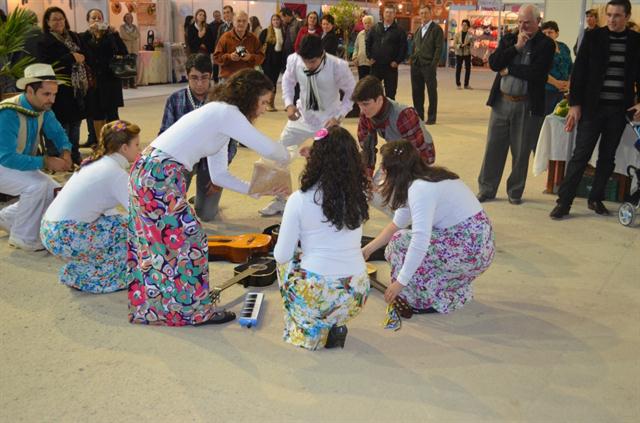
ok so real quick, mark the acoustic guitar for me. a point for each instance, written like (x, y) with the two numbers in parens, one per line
(257, 271)
(237, 249)
(401, 305)
(272, 231)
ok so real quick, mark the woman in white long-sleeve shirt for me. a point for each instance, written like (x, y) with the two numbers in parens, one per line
(169, 276)
(82, 227)
(325, 283)
(450, 242)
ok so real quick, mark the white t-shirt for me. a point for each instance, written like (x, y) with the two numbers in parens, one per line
(325, 250)
(430, 205)
(206, 131)
(92, 191)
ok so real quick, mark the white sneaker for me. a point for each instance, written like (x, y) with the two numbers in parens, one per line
(273, 208)
(16, 243)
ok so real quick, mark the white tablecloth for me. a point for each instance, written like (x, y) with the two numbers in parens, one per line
(554, 143)
(153, 67)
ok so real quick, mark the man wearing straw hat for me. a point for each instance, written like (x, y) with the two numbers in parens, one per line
(23, 119)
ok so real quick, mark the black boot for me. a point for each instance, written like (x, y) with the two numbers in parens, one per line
(337, 336)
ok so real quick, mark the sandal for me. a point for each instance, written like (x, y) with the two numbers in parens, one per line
(219, 317)
(403, 308)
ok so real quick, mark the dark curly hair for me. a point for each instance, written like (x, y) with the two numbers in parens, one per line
(336, 169)
(403, 165)
(243, 89)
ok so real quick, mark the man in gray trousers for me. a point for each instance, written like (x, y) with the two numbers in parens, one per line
(523, 61)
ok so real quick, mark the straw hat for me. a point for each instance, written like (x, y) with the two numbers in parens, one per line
(37, 72)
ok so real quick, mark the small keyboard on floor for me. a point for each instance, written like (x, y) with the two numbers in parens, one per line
(251, 309)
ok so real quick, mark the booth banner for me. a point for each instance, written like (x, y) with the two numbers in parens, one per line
(147, 13)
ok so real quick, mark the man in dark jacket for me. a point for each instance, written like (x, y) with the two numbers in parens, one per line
(290, 28)
(605, 84)
(427, 48)
(386, 48)
(214, 26)
(523, 61)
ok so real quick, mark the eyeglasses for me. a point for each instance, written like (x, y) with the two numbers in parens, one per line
(56, 19)
(204, 78)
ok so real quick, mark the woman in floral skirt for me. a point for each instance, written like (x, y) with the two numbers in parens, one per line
(167, 248)
(450, 242)
(327, 285)
(81, 226)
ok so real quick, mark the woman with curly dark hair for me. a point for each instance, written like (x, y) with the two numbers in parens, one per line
(167, 247)
(450, 242)
(325, 283)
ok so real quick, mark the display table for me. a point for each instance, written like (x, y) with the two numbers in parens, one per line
(555, 147)
(153, 67)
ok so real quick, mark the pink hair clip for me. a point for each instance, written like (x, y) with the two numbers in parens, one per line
(119, 126)
(321, 134)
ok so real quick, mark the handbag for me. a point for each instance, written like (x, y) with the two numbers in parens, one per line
(124, 66)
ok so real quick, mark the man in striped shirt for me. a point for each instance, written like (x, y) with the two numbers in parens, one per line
(605, 84)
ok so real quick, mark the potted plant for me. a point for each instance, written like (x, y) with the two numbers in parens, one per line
(21, 24)
(346, 14)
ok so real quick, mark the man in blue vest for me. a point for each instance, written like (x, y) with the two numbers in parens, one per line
(23, 119)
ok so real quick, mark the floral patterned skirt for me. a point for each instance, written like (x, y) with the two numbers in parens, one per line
(456, 256)
(167, 247)
(95, 252)
(314, 303)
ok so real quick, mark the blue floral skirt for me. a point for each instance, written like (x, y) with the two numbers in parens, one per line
(95, 252)
(314, 303)
(455, 257)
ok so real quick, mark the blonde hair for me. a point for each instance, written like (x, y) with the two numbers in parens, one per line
(113, 135)
(367, 19)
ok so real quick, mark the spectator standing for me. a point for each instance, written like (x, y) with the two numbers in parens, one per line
(200, 39)
(427, 48)
(329, 37)
(605, 84)
(272, 40)
(290, 27)
(238, 49)
(255, 26)
(360, 48)
(558, 80)
(592, 23)
(227, 21)
(62, 46)
(522, 62)
(131, 38)
(103, 43)
(312, 27)
(462, 44)
(386, 48)
(214, 26)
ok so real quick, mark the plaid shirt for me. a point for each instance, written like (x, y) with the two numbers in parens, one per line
(177, 106)
(408, 125)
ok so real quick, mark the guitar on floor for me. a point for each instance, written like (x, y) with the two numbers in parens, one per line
(237, 249)
(403, 308)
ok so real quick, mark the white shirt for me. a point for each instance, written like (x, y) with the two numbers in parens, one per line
(325, 250)
(92, 191)
(335, 76)
(206, 131)
(425, 28)
(437, 205)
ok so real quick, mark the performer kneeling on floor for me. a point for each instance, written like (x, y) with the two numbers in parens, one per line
(325, 283)
(450, 242)
(82, 227)
(167, 247)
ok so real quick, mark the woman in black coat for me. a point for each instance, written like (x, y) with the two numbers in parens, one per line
(200, 38)
(61, 45)
(329, 37)
(272, 38)
(103, 43)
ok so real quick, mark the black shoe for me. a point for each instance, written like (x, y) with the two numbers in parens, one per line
(219, 318)
(598, 207)
(515, 201)
(483, 197)
(337, 336)
(559, 212)
(430, 122)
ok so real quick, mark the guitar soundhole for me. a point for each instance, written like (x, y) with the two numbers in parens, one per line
(258, 267)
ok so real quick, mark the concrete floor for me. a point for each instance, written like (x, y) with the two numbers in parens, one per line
(553, 333)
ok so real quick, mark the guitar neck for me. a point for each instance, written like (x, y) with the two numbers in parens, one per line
(237, 278)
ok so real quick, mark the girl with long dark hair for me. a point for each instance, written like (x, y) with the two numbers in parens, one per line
(200, 39)
(167, 246)
(325, 283)
(450, 242)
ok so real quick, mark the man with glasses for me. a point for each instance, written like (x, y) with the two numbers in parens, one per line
(179, 104)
